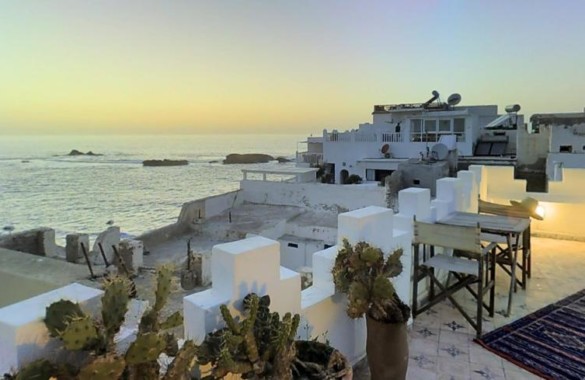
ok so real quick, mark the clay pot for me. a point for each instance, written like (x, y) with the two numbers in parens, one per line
(387, 350)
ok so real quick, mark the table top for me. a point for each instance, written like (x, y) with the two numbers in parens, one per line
(489, 223)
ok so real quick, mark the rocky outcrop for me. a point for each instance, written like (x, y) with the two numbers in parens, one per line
(282, 160)
(165, 162)
(76, 152)
(249, 158)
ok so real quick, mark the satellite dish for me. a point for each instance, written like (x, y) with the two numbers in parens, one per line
(453, 99)
(513, 108)
(385, 148)
(439, 151)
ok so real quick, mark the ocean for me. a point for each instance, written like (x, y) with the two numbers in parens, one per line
(41, 186)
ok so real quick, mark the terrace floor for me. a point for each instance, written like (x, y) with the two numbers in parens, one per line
(441, 341)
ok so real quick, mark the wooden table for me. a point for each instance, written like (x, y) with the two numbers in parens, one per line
(507, 226)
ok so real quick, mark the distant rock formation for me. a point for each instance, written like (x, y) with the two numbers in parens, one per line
(282, 160)
(249, 158)
(165, 162)
(76, 152)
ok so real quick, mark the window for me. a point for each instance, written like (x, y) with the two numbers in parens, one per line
(445, 126)
(293, 245)
(415, 130)
(370, 175)
(566, 149)
(459, 128)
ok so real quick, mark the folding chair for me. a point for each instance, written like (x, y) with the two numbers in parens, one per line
(504, 257)
(478, 269)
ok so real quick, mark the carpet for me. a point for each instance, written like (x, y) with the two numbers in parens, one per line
(549, 342)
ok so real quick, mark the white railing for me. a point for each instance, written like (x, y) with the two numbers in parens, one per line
(392, 137)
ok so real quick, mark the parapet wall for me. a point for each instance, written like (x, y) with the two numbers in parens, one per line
(316, 196)
(564, 203)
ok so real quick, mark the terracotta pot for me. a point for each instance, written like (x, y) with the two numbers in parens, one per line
(387, 350)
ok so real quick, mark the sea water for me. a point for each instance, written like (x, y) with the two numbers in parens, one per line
(41, 186)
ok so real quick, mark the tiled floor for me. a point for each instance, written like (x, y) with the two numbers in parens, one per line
(441, 341)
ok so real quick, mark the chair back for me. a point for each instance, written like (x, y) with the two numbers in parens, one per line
(447, 236)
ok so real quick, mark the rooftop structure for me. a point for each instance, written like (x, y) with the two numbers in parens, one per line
(405, 131)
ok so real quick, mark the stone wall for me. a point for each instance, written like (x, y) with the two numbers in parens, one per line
(38, 241)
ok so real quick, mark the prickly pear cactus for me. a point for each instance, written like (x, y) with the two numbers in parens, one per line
(58, 315)
(114, 305)
(79, 334)
(182, 363)
(363, 272)
(259, 346)
(40, 369)
(174, 320)
(108, 367)
(145, 348)
(163, 286)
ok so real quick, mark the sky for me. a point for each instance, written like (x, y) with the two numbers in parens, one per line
(275, 66)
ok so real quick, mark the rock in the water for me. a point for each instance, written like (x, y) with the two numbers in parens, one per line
(165, 162)
(249, 158)
(76, 152)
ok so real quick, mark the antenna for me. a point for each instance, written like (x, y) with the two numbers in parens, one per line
(454, 99)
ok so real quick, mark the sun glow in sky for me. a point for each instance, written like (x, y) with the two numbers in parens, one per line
(138, 66)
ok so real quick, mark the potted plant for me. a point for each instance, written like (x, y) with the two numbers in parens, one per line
(364, 275)
(262, 345)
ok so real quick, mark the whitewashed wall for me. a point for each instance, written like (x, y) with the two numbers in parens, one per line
(208, 207)
(318, 196)
(564, 203)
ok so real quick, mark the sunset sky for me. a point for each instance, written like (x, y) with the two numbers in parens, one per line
(297, 66)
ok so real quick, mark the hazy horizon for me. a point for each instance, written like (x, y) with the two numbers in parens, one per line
(212, 66)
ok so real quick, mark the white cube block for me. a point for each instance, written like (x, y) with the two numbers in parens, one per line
(243, 266)
(23, 334)
(415, 201)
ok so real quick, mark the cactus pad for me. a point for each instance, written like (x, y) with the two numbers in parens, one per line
(114, 304)
(145, 348)
(174, 320)
(183, 362)
(40, 369)
(109, 367)
(79, 333)
(163, 286)
(58, 315)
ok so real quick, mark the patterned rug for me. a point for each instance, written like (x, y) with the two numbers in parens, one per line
(549, 342)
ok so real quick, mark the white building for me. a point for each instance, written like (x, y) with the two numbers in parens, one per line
(400, 132)
(565, 133)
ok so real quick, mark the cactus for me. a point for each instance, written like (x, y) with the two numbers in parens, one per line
(114, 305)
(79, 334)
(183, 362)
(259, 346)
(58, 314)
(107, 367)
(40, 369)
(145, 348)
(364, 275)
(172, 321)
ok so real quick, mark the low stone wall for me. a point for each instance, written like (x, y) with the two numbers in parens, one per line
(38, 241)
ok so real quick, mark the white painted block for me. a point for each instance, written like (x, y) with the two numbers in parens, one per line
(323, 262)
(448, 189)
(245, 266)
(23, 334)
(287, 297)
(414, 201)
(469, 191)
(364, 224)
(443, 208)
(201, 314)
